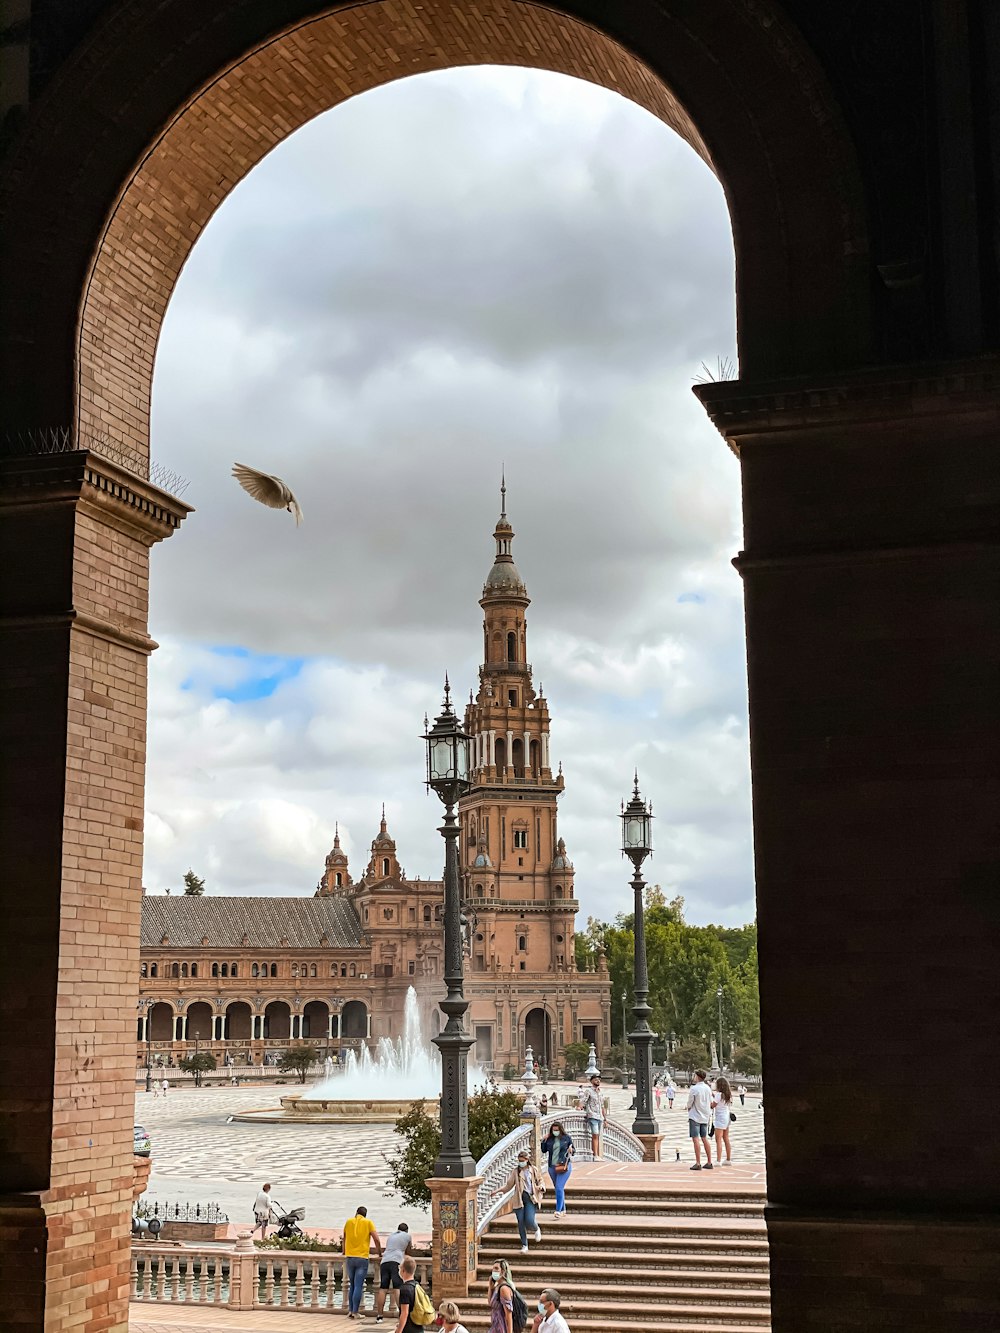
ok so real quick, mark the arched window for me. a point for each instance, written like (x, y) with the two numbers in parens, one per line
(479, 890)
(255, 971)
(438, 909)
(184, 969)
(333, 969)
(340, 879)
(343, 969)
(312, 970)
(143, 970)
(558, 890)
(215, 969)
(194, 969)
(174, 970)
(427, 914)
(501, 753)
(225, 969)
(385, 865)
(511, 647)
(153, 969)
(274, 969)
(295, 969)
(522, 943)
(517, 759)
(353, 970)
(232, 969)
(535, 757)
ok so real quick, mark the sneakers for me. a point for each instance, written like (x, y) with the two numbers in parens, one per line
(707, 1166)
(524, 1249)
(378, 1319)
(538, 1233)
(727, 1162)
(696, 1167)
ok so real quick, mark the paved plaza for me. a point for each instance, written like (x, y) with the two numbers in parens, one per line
(200, 1157)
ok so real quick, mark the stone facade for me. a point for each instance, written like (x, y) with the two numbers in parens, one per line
(247, 977)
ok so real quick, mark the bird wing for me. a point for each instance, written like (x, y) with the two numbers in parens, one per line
(296, 508)
(268, 490)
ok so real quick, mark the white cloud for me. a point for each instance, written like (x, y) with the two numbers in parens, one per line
(455, 272)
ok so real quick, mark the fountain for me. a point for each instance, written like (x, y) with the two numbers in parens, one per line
(372, 1089)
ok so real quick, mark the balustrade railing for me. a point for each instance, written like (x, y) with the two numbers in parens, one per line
(245, 1278)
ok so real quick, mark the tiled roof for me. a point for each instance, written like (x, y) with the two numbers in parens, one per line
(186, 920)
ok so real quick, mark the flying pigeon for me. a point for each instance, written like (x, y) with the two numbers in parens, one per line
(270, 491)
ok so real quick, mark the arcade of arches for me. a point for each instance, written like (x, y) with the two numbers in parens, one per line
(858, 148)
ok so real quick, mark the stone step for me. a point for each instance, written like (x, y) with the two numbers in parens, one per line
(664, 1249)
(646, 1280)
(633, 1230)
(606, 1314)
(594, 1203)
(707, 1259)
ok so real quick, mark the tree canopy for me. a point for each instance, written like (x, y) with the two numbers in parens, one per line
(687, 964)
(193, 886)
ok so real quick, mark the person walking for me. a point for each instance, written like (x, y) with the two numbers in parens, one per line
(262, 1210)
(558, 1146)
(500, 1294)
(549, 1318)
(165, 1086)
(593, 1109)
(658, 1093)
(408, 1297)
(671, 1094)
(543, 1105)
(397, 1247)
(741, 1092)
(449, 1316)
(722, 1116)
(527, 1184)
(359, 1235)
(699, 1109)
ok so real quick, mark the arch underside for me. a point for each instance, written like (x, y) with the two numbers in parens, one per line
(771, 158)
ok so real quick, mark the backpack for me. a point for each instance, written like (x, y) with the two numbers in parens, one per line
(519, 1312)
(423, 1311)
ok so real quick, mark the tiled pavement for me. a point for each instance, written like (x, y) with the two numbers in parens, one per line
(167, 1318)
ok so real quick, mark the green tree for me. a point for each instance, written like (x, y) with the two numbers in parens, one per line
(199, 1063)
(193, 886)
(690, 1056)
(576, 1055)
(299, 1059)
(746, 1059)
(492, 1116)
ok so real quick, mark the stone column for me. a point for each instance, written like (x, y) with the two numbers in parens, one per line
(75, 533)
(453, 1226)
(871, 578)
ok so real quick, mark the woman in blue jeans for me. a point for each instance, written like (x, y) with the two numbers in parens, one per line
(526, 1185)
(558, 1146)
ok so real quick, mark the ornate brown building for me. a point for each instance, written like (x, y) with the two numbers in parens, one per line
(247, 977)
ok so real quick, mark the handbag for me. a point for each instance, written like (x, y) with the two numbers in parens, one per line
(711, 1131)
(732, 1117)
(560, 1168)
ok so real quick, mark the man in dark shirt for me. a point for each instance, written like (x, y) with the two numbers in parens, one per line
(407, 1297)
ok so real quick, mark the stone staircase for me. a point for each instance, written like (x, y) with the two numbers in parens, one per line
(648, 1258)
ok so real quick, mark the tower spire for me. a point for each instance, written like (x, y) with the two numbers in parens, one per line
(503, 493)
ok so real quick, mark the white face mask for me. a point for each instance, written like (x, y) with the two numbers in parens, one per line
(555, 1134)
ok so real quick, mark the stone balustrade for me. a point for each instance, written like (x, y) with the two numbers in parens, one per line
(242, 1277)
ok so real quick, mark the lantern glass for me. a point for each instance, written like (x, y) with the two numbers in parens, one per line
(442, 767)
(635, 831)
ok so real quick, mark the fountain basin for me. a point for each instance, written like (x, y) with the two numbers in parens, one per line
(305, 1110)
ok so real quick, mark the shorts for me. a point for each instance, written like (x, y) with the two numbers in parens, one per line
(594, 1126)
(389, 1276)
(696, 1131)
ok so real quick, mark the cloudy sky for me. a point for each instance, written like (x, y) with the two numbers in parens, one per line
(459, 272)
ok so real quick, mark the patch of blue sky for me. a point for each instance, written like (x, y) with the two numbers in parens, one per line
(698, 597)
(242, 676)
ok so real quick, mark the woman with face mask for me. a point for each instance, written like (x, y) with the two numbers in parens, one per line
(501, 1298)
(527, 1186)
(448, 1318)
(558, 1146)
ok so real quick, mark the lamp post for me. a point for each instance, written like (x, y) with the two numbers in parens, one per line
(637, 844)
(624, 1044)
(144, 1007)
(448, 777)
(718, 997)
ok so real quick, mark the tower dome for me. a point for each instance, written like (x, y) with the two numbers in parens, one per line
(504, 578)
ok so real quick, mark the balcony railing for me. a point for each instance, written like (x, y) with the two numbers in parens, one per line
(513, 668)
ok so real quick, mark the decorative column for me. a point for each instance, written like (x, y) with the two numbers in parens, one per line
(637, 844)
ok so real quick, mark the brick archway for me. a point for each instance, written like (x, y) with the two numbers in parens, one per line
(865, 510)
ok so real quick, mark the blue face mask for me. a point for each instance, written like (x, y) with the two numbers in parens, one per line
(541, 1307)
(555, 1134)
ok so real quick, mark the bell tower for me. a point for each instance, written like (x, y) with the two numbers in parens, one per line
(516, 873)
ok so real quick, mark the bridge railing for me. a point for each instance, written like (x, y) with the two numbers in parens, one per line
(618, 1144)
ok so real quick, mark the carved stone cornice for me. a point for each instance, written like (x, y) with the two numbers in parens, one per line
(741, 410)
(89, 481)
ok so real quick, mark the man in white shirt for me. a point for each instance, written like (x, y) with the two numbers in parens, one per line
(548, 1319)
(262, 1210)
(593, 1109)
(699, 1109)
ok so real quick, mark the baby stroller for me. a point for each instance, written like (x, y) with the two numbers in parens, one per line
(288, 1223)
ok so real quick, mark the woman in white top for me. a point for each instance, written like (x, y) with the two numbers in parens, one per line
(722, 1100)
(450, 1314)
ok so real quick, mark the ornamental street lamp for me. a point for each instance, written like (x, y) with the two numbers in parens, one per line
(637, 844)
(718, 997)
(448, 776)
